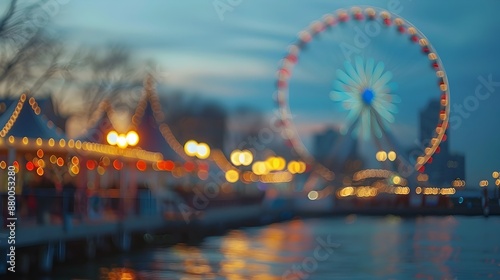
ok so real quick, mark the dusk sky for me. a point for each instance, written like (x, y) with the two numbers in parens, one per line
(231, 56)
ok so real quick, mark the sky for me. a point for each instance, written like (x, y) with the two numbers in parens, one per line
(229, 50)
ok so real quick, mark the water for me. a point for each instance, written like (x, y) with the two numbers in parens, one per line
(352, 247)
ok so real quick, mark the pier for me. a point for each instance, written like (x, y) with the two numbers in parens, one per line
(40, 244)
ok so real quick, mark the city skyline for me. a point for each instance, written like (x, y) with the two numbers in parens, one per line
(234, 56)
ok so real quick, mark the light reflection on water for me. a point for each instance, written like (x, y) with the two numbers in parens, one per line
(370, 248)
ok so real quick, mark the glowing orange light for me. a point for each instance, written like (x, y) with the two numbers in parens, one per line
(141, 165)
(118, 165)
(30, 166)
(189, 166)
(160, 165)
(169, 165)
(75, 170)
(90, 164)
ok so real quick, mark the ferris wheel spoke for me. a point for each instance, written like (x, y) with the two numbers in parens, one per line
(378, 71)
(385, 111)
(382, 105)
(382, 81)
(351, 119)
(377, 130)
(369, 67)
(361, 71)
(352, 73)
(345, 78)
(366, 123)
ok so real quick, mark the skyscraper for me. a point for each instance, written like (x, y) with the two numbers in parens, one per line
(445, 166)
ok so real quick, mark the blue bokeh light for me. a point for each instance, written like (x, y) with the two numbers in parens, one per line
(367, 96)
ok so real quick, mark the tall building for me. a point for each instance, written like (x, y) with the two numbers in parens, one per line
(446, 166)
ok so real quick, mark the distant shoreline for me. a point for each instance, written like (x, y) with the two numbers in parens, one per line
(403, 212)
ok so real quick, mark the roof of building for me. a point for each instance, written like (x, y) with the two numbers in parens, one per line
(23, 119)
(154, 134)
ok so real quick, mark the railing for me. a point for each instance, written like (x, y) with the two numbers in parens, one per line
(50, 206)
(41, 207)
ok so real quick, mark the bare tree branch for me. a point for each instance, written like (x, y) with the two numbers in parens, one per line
(8, 15)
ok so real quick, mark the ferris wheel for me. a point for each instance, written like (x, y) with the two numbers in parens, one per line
(366, 74)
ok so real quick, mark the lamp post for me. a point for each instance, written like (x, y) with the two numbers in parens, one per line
(122, 141)
(238, 158)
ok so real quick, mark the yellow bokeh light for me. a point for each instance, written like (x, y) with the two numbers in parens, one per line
(132, 138)
(495, 175)
(281, 163)
(381, 156)
(235, 157)
(191, 148)
(245, 158)
(396, 180)
(296, 167)
(275, 163)
(232, 176)
(292, 167)
(260, 168)
(391, 156)
(420, 160)
(75, 169)
(121, 141)
(112, 137)
(202, 151)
